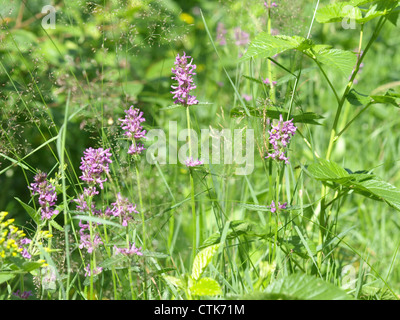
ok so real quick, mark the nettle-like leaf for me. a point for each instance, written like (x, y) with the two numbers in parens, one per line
(274, 113)
(298, 286)
(336, 59)
(350, 10)
(202, 259)
(337, 11)
(265, 45)
(359, 99)
(368, 185)
(206, 287)
(304, 287)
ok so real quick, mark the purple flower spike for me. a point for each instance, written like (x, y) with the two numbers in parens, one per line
(47, 195)
(184, 76)
(136, 148)
(94, 163)
(279, 138)
(133, 129)
(124, 209)
(132, 123)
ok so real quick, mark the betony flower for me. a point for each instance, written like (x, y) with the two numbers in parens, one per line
(86, 240)
(128, 251)
(279, 137)
(96, 271)
(123, 208)
(190, 162)
(47, 195)
(136, 148)
(23, 295)
(184, 76)
(280, 206)
(133, 129)
(94, 163)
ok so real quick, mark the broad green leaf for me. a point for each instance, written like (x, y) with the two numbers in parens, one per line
(206, 287)
(56, 225)
(327, 170)
(382, 190)
(359, 99)
(265, 45)
(274, 113)
(174, 281)
(365, 184)
(5, 276)
(337, 59)
(337, 11)
(31, 211)
(31, 265)
(300, 287)
(202, 259)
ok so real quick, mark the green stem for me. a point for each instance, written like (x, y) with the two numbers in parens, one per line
(193, 204)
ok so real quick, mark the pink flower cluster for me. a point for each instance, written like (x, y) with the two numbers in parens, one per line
(47, 195)
(184, 76)
(94, 163)
(122, 208)
(280, 206)
(190, 162)
(133, 129)
(279, 138)
(129, 251)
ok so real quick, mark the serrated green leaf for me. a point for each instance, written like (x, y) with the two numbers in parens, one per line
(265, 45)
(337, 11)
(337, 59)
(275, 113)
(382, 190)
(300, 287)
(327, 170)
(202, 259)
(359, 99)
(365, 184)
(206, 287)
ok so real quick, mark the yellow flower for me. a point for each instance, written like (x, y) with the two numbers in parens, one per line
(185, 17)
